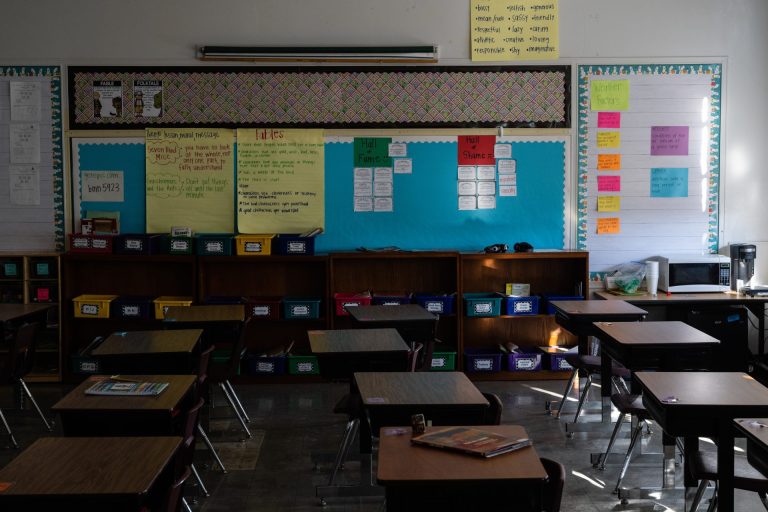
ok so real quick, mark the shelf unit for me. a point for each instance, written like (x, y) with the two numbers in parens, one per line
(202, 277)
(34, 279)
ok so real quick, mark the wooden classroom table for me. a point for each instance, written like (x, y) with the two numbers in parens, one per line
(13, 313)
(88, 473)
(756, 432)
(102, 415)
(421, 478)
(413, 322)
(146, 352)
(342, 352)
(703, 404)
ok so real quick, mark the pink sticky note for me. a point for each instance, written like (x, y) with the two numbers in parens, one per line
(669, 140)
(609, 183)
(609, 119)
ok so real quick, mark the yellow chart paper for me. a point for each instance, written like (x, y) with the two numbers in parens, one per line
(280, 180)
(514, 30)
(190, 179)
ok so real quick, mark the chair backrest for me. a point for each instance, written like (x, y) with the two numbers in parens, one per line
(202, 366)
(493, 413)
(236, 354)
(553, 490)
(424, 361)
(22, 351)
(175, 492)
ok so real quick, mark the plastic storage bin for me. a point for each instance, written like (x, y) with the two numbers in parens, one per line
(181, 245)
(254, 245)
(350, 300)
(443, 361)
(554, 358)
(547, 308)
(132, 307)
(214, 245)
(138, 244)
(477, 360)
(524, 361)
(265, 308)
(266, 365)
(439, 303)
(43, 268)
(85, 365)
(44, 292)
(93, 306)
(482, 304)
(390, 298)
(295, 245)
(162, 303)
(98, 244)
(303, 365)
(521, 305)
(297, 307)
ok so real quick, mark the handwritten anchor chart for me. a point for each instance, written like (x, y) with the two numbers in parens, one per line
(503, 30)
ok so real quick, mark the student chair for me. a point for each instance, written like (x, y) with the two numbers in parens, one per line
(627, 405)
(590, 365)
(553, 490)
(221, 373)
(704, 467)
(18, 364)
(187, 452)
(493, 413)
(201, 391)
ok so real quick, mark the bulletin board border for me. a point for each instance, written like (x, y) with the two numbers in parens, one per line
(333, 97)
(57, 160)
(583, 106)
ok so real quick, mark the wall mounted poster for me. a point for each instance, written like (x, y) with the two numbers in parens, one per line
(190, 179)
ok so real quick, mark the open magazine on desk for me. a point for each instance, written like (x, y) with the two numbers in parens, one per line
(472, 441)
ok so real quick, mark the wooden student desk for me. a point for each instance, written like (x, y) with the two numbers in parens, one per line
(756, 432)
(14, 313)
(91, 415)
(421, 478)
(342, 352)
(414, 323)
(86, 473)
(146, 352)
(703, 404)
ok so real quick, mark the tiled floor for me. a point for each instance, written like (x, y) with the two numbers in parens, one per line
(292, 424)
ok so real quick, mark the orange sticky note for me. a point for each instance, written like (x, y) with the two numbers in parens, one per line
(608, 139)
(608, 162)
(608, 226)
(608, 203)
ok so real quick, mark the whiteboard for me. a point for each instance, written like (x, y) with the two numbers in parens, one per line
(667, 192)
(35, 223)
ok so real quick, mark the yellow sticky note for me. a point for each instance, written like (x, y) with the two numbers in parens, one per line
(608, 203)
(608, 139)
(608, 226)
(609, 94)
(608, 162)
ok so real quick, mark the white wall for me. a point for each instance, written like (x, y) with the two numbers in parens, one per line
(166, 32)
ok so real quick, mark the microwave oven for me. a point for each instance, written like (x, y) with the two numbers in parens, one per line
(686, 273)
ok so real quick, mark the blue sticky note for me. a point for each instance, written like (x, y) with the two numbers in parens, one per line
(669, 182)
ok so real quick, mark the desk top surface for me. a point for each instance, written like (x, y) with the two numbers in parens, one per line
(402, 462)
(10, 312)
(418, 388)
(755, 429)
(205, 313)
(178, 387)
(714, 390)
(395, 313)
(89, 466)
(652, 333)
(149, 342)
(356, 340)
(663, 298)
(597, 309)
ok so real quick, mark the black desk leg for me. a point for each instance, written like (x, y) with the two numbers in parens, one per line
(725, 465)
(691, 446)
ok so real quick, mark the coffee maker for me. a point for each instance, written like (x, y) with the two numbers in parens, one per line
(742, 265)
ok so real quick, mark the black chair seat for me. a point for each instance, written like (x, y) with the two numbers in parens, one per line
(593, 364)
(746, 477)
(630, 404)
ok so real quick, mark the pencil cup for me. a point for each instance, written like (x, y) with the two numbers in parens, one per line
(651, 276)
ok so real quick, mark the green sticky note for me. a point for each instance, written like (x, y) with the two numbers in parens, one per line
(9, 269)
(609, 94)
(372, 152)
(42, 269)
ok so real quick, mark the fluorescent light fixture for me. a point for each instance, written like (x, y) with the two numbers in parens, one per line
(319, 54)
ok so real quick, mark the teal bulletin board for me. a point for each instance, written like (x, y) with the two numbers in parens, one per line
(425, 214)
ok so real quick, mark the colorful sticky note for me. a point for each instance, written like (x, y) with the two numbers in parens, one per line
(608, 203)
(609, 119)
(477, 149)
(608, 183)
(609, 94)
(372, 152)
(669, 140)
(608, 162)
(608, 139)
(669, 182)
(608, 226)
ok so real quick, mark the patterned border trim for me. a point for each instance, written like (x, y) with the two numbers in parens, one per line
(713, 199)
(54, 72)
(334, 97)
